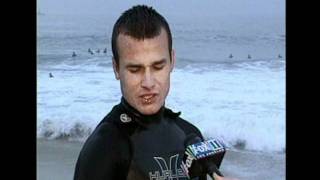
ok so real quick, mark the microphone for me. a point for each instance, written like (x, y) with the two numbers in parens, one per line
(202, 157)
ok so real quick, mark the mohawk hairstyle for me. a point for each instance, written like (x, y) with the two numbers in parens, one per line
(140, 22)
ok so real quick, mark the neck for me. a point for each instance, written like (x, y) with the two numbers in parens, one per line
(139, 117)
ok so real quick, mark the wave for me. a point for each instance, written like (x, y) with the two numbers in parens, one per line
(243, 106)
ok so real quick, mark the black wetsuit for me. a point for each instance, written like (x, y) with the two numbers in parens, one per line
(129, 145)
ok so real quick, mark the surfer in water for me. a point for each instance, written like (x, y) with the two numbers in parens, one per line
(90, 51)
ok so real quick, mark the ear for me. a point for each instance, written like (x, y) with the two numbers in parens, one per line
(173, 59)
(115, 69)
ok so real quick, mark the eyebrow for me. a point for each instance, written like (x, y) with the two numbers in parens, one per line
(161, 61)
(133, 65)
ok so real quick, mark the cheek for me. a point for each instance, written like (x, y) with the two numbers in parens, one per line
(129, 82)
(164, 81)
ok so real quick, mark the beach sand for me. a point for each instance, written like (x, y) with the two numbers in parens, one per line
(56, 161)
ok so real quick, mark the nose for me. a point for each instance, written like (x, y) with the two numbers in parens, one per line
(148, 80)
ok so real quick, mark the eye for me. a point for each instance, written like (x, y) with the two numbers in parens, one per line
(159, 66)
(134, 69)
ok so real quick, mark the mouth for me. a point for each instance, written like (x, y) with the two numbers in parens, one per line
(148, 98)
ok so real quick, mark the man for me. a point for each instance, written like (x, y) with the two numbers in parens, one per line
(140, 138)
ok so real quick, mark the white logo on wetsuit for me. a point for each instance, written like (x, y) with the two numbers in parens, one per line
(125, 118)
(167, 172)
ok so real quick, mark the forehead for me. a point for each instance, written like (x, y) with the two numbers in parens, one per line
(129, 47)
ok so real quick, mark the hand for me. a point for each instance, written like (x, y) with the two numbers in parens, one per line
(217, 177)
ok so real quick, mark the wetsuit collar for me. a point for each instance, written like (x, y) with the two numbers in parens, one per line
(141, 119)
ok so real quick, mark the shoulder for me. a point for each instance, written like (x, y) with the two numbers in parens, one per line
(185, 125)
(104, 154)
(188, 127)
(106, 143)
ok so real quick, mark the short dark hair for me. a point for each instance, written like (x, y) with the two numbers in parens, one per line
(139, 22)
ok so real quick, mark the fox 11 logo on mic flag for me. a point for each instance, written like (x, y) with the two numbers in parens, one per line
(206, 148)
(212, 149)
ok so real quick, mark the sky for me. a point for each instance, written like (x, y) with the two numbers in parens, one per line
(179, 7)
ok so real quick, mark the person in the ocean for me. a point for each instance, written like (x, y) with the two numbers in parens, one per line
(74, 54)
(249, 56)
(140, 139)
(230, 56)
(90, 51)
(50, 75)
(105, 50)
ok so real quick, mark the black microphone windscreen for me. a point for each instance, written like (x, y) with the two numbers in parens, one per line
(202, 157)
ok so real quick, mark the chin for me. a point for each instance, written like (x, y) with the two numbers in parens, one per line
(149, 110)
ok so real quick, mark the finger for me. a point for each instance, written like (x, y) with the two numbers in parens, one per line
(216, 176)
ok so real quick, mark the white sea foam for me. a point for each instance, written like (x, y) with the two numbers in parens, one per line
(243, 106)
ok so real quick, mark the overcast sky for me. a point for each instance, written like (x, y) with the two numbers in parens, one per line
(183, 7)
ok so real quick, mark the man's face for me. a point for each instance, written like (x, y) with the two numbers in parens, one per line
(144, 71)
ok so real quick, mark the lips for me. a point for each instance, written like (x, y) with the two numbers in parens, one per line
(148, 98)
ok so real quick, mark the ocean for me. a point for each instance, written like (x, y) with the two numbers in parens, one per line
(238, 99)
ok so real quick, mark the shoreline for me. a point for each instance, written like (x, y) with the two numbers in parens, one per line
(56, 160)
